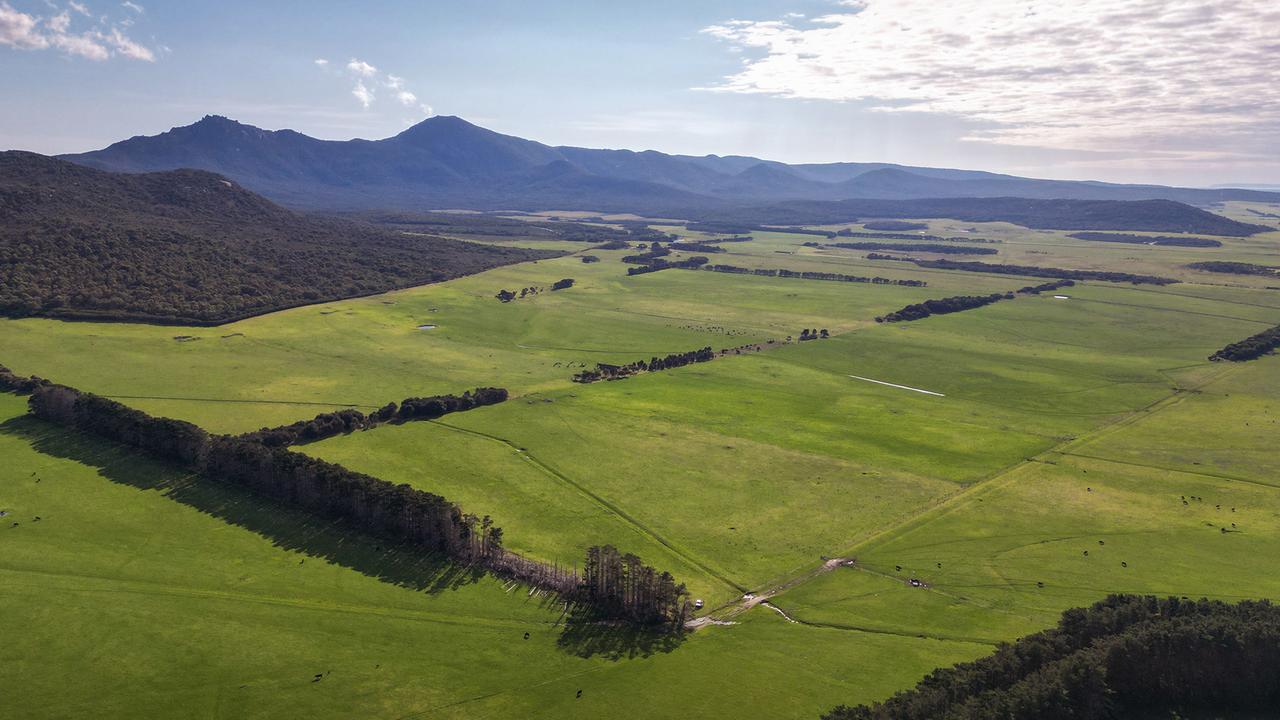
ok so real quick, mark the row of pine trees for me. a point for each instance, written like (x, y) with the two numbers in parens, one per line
(612, 586)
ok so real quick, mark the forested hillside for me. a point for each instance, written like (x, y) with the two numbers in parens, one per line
(192, 247)
(1126, 656)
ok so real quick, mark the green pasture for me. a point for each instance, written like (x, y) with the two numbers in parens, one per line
(281, 367)
(1050, 427)
(1093, 517)
(143, 593)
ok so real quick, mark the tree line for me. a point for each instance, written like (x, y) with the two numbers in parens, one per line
(1126, 656)
(1046, 287)
(1031, 270)
(658, 264)
(1166, 240)
(810, 275)
(958, 303)
(907, 236)
(1250, 348)
(699, 247)
(18, 385)
(916, 247)
(399, 512)
(605, 371)
(348, 420)
(1235, 268)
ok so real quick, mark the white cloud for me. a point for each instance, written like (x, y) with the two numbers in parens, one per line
(128, 48)
(23, 31)
(363, 94)
(60, 23)
(19, 30)
(80, 8)
(362, 68)
(1108, 75)
(133, 6)
(368, 79)
(87, 45)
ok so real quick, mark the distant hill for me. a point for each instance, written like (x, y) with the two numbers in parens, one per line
(190, 246)
(447, 162)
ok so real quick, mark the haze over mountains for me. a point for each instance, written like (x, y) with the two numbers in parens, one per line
(446, 162)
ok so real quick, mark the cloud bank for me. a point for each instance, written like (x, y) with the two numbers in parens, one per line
(1192, 80)
(102, 41)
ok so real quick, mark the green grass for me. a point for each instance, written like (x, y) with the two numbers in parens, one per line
(277, 368)
(984, 554)
(144, 592)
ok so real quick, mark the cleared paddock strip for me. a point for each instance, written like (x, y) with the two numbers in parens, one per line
(900, 387)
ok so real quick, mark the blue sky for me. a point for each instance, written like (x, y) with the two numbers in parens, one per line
(1176, 91)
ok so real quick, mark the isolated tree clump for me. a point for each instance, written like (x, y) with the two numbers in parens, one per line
(920, 311)
(1251, 348)
(1235, 268)
(605, 371)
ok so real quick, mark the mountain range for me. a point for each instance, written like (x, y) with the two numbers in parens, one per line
(447, 162)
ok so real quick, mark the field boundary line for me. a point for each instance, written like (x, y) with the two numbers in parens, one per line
(233, 400)
(1216, 476)
(1006, 476)
(606, 504)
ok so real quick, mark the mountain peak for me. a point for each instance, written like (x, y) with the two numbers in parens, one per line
(438, 125)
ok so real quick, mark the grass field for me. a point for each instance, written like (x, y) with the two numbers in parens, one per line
(145, 593)
(1051, 427)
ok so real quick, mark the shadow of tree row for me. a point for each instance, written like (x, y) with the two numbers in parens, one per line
(333, 541)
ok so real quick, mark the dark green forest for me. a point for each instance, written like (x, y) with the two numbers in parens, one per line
(1251, 348)
(192, 247)
(1235, 268)
(1126, 656)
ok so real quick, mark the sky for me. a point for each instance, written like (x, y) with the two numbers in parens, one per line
(1182, 92)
